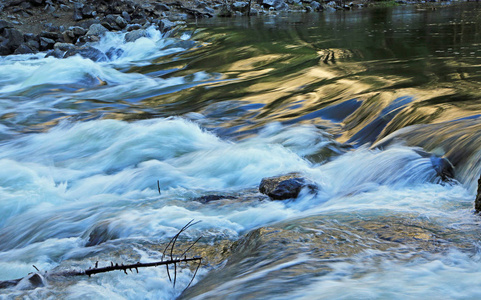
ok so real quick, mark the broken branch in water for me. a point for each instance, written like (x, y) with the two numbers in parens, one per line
(123, 267)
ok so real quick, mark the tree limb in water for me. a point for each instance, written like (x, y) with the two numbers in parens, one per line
(124, 267)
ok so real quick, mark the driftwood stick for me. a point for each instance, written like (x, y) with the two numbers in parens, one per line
(135, 266)
(113, 267)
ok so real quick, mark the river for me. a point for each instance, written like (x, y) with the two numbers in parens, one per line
(103, 161)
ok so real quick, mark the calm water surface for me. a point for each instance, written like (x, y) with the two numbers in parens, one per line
(364, 103)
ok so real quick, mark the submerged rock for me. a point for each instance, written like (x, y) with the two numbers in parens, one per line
(31, 281)
(286, 186)
(210, 198)
(91, 53)
(101, 234)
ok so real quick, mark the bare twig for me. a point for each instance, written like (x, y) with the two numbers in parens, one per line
(96, 270)
(135, 266)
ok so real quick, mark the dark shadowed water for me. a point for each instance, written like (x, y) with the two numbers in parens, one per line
(365, 103)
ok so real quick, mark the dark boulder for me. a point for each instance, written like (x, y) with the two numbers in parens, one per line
(286, 186)
(46, 44)
(87, 52)
(477, 201)
(24, 49)
(5, 24)
(96, 29)
(443, 167)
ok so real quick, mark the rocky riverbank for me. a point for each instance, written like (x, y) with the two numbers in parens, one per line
(60, 26)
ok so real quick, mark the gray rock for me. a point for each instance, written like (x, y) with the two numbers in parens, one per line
(78, 31)
(166, 25)
(240, 6)
(4, 48)
(23, 49)
(51, 35)
(316, 6)
(87, 52)
(77, 12)
(31, 281)
(46, 44)
(126, 16)
(161, 7)
(114, 53)
(63, 46)
(88, 11)
(135, 35)
(57, 53)
(286, 186)
(276, 4)
(96, 29)
(5, 24)
(210, 198)
(12, 38)
(33, 44)
(101, 234)
(132, 27)
(121, 22)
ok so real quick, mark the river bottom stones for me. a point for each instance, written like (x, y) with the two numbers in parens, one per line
(285, 186)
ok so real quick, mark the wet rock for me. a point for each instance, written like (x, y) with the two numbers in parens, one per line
(46, 44)
(126, 16)
(12, 39)
(51, 35)
(132, 27)
(240, 6)
(87, 52)
(78, 31)
(23, 49)
(210, 198)
(31, 281)
(88, 11)
(57, 53)
(166, 25)
(121, 22)
(101, 234)
(443, 168)
(316, 6)
(135, 35)
(477, 201)
(286, 186)
(114, 53)
(276, 4)
(96, 29)
(64, 46)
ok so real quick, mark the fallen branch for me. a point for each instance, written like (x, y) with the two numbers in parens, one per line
(123, 267)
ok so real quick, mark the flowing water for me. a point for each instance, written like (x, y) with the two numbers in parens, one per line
(363, 103)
